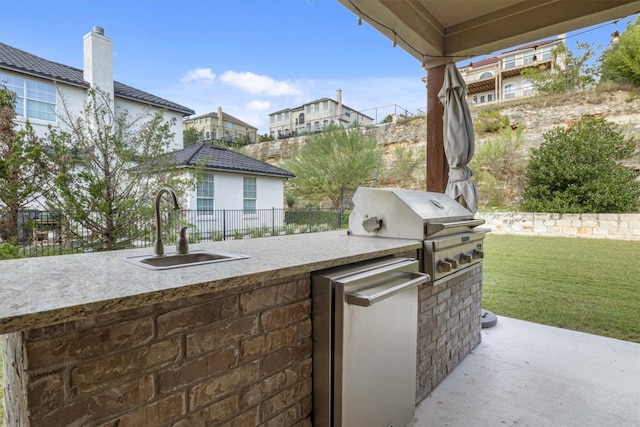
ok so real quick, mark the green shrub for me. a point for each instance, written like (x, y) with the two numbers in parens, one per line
(489, 121)
(312, 217)
(9, 251)
(578, 170)
(499, 166)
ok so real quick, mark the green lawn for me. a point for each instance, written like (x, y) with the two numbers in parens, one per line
(586, 285)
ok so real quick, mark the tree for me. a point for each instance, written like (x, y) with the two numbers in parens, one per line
(572, 72)
(620, 63)
(332, 162)
(578, 170)
(265, 137)
(191, 136)
(24, 171)
(109, 168)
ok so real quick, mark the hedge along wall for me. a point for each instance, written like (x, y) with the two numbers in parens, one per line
(593, 226)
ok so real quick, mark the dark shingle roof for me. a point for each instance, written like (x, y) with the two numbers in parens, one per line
(215, 157)
(23, 62)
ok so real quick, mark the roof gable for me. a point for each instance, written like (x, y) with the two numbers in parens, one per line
(215, 157)
(23, 62)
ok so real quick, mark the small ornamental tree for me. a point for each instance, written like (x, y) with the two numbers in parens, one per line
(109, 168)
(579, 170)
(572, 71)
(332, 163)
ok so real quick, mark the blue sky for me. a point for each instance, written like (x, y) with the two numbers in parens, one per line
(251, 57)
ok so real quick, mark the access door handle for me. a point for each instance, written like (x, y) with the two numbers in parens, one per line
(356, 298)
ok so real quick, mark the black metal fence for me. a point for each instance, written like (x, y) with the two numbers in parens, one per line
(42, 233)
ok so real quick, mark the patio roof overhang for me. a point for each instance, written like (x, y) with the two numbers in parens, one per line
(440, 32)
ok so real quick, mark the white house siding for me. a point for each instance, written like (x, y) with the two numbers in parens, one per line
(136, 109)
(228, 212)
(73, 99)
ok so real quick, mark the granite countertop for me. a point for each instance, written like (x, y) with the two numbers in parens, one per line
(42, 291)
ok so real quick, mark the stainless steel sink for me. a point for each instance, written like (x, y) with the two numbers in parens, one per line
(167, 261)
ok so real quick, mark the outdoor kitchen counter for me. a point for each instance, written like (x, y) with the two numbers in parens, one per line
(37, 292)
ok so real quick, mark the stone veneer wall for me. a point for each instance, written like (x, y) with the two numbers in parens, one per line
(449, 326)
(595, 226)
(240, 359)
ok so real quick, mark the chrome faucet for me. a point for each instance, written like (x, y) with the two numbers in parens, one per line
(182, 245)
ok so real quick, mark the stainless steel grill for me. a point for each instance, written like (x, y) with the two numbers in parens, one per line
(452, 243)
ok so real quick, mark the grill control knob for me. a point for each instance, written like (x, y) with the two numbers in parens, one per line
(465, 258)
(443, 266)
(453, 262)
(477, 254)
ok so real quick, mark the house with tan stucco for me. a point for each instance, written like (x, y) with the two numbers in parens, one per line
(499, 78)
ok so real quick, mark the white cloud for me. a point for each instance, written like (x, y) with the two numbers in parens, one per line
(258, 105)
(257, 84)
(199, 74)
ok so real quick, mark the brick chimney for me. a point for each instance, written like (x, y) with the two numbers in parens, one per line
(98, 61)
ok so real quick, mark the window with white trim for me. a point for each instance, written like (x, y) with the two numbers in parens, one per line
(34, 100)
(527, 88)
(546, 52)
(527, 57)
(509, 62)
(249, 195)
(509, 91)
(205, 193)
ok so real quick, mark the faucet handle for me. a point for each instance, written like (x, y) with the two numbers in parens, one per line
(182, 244)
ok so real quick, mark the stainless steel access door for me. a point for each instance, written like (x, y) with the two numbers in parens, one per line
(369, 378)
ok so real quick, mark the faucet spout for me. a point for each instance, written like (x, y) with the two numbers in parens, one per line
(159, 245)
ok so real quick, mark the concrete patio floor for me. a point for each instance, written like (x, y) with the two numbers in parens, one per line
(526, 374)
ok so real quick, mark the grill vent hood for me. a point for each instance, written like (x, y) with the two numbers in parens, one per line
(406, 214)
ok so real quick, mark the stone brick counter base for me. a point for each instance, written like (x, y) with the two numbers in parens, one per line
(594, 226)
(240, 359)
(449, 327)
(232, 358)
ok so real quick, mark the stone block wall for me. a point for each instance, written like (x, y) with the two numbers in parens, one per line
(230, 359)
(593, 226)
(449, 326)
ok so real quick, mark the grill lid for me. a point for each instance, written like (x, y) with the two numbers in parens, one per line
(391, 212)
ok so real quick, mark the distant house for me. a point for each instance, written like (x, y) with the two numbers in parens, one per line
(234, 189)
(314, 116)
(41, 85)
(500, 77)
(221, 126)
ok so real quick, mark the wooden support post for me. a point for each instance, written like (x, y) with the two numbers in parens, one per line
(437, 167)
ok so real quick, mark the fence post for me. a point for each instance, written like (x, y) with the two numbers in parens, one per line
(273, 221)
(224, 224)
(310, 219)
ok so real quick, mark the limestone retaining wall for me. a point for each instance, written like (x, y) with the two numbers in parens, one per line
(594, 226)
